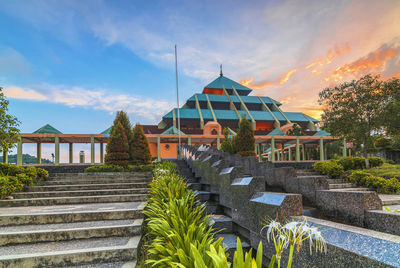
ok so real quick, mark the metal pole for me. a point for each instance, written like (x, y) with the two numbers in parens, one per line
(177, 101)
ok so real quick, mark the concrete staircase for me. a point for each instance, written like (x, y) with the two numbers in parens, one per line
(74, 220)
(221, 222)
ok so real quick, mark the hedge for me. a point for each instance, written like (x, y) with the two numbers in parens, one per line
(385, 186)
(115, 168)
(15, 178)
(330, 168)
(351, 163)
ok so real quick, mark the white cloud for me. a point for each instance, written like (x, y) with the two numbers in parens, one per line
(97, 99)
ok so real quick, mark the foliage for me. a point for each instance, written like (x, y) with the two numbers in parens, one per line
(330, 168)
(292, 234)
(385, 186)
(244, 143)
(226, 144)
(123, 118)
(15, 178)
(115, 168)
(382, 143)
(26, 159)
(9, 132)
(392, 110)
(296, 130)
(375, 161)
(140, 149)
(247, 261)
(387, 170)
(390, 162)
(117, 150)
(354, 109)
(180, 236)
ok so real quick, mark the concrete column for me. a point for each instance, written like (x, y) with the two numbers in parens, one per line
(273, 149)
(303, 151)
(290, 154)
(260, 152)
(321, 149)
(101, 153)
(19, 153)
(297, 149)
(92, 149)
(218, 142)
(39, 153)
(344, 147)
(278, 154)
(71, 153)
(190, 140)
(158, 148)
(57, 150)
(5, 156)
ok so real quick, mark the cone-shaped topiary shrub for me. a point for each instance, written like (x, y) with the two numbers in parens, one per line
(117, 150)
(123, 118)
(226, 144)
(244, 142)
(140, 147)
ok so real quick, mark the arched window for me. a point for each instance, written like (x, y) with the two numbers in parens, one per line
(214, 132)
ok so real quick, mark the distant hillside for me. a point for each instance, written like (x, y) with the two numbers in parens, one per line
(26, 159)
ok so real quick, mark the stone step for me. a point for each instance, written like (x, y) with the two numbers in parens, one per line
(68, 253)
(221, 223)
(334, 181)
(354, 189)
(22, 234)
(94, 181)
(342, 185)
(229, 241)
(49, 201)
(12, 216)
(129, 264)
(101, 175)
(194, 186)
(313, 176)
(74, 187)
(309, 173)
(23, 195)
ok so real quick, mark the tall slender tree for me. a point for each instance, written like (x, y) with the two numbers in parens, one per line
(226, 144)
(140, 147)
(123, 118)
(117, 150)
(244, 142)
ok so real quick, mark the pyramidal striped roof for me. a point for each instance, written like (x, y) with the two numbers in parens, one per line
(276, 132)
(47, 129)
(223, 81)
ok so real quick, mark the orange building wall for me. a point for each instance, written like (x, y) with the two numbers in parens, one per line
(153, 149)
(264, 125)
(213, 91)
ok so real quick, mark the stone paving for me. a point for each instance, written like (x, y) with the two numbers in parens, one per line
(94, 231)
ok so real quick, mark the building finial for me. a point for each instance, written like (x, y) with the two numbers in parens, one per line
(220, 73)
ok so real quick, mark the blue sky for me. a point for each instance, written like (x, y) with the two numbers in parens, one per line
(73, 64)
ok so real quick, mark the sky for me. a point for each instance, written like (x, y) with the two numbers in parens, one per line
(73, 64)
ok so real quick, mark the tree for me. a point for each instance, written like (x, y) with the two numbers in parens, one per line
(354, 110)
(123, 118)
(244, 143)
(140, 147)
(391, 117)
(295, 131)
(9, 132)
(117, 150)
(226, 144)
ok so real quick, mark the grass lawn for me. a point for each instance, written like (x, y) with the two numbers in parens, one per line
(386, 171)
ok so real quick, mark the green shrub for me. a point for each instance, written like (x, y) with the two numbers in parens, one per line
(117, 149)
(390, 162)
(140, 149)
(350, 163)
(386, 186)
(226, 144)
(330, 168)
(244, 143)
(375, 161)
(115, 168)
(175, 224)
(9, 185)
(31, 172)
(26, 179)
(42, 173)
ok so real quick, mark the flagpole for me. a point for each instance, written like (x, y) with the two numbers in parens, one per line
(177, 101)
